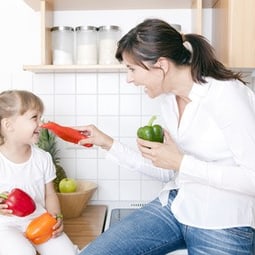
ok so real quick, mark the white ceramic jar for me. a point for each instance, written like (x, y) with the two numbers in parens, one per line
(62, 45)
(86, 45)
(108, 37)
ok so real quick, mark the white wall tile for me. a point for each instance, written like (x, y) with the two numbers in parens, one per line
(130, 105)
(43, 83)
(65, 120)
(129, 125)
(82, 120)
(69, 166)
(86, 83)
(109, 125)
(66, 149)
(67, 154)
(130, 190)
(107, 170)
(84, 152)
(108, 104)
(48, 101)
(150, 106)
(65, 105)
(108, 190)
(64, 83)
(86, 104)
(108, 83)
(87, 169)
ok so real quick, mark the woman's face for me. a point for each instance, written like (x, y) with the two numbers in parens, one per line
(151, 80)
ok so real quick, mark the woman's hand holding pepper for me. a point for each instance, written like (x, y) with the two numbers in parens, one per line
(164, 155)
(96, 137)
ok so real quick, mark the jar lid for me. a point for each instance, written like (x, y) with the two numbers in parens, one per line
(85, 28)
(103, 28)
(61, 28)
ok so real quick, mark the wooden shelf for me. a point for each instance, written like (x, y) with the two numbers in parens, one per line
(48, 7)
(63, 5)
(75, 68)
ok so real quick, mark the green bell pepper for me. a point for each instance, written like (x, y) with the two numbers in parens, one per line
(151, 132)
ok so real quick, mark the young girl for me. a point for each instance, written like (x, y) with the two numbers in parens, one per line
(25, 166)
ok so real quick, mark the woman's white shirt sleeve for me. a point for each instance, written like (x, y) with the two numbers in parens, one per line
(126, 157)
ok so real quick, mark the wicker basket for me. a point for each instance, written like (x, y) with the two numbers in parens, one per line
(72, 204)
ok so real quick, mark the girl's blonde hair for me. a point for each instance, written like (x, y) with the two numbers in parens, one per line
(17, 102)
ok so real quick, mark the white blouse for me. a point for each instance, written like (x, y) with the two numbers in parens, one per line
(216, 179)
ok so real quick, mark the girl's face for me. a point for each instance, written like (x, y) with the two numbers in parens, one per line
(26, 127)
(151, 80)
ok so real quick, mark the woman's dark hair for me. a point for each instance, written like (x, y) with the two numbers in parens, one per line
(155, 38)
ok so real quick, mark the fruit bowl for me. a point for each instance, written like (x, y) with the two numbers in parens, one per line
(72, 204)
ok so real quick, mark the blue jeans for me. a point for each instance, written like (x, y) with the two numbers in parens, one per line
(153, 230)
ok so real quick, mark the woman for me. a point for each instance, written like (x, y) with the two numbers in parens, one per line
(207, 159)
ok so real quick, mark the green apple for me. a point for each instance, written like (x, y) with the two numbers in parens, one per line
(67, 185)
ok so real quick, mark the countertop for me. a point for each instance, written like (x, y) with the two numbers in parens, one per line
(84, 229)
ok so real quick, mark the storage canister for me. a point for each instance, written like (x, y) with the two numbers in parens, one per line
(108, 39)
(86, 45)
(62, 45)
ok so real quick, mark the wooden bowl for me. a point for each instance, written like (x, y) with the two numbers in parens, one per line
(72, 204)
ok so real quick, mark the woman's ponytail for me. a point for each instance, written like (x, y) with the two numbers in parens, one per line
(204, 63)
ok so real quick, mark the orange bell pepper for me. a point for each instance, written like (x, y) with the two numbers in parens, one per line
(40, 229)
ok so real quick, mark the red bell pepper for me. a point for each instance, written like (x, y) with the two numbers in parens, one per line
(66, 133)
(19, 202)
(40, 229)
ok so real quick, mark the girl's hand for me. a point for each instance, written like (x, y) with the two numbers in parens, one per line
(4, 208)
(58, 228)
(164, 155)
(95, 136)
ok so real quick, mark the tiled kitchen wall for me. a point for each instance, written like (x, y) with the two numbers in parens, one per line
(117, 108)
(103, 99)
(107, 101)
